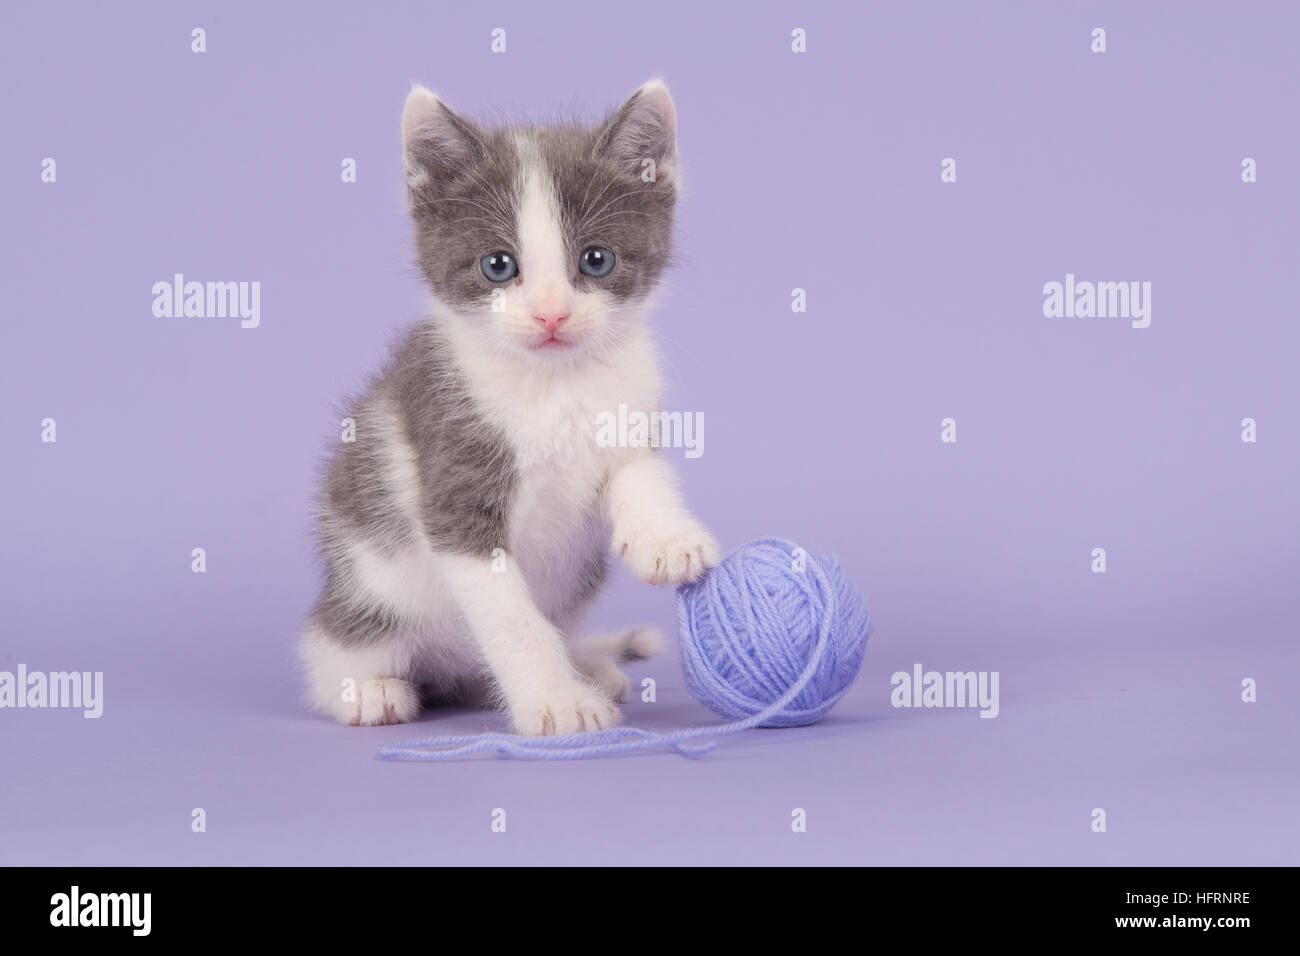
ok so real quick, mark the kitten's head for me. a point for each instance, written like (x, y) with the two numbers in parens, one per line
(544, 240)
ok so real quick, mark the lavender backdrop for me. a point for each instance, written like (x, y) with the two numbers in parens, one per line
(818, 171)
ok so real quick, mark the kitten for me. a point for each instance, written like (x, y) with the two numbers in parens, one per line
(464, 532)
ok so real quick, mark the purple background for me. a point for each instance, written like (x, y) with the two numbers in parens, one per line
(817, 171)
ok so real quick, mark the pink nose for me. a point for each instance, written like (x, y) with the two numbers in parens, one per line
(552, 321)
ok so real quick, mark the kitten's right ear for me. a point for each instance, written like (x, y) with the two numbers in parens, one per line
(438, 143)
(643, 128)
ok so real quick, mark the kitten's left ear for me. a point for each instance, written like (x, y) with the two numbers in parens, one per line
(439, 145)
(645, 127)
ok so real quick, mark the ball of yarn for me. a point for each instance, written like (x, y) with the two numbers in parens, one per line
(772, 636)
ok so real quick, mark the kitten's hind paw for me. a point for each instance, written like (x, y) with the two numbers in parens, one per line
(384, 700)
(601, 670)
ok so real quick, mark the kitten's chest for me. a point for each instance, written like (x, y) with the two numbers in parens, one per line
(560, 467)
(561, 452)
(561, 460)
(556, 526)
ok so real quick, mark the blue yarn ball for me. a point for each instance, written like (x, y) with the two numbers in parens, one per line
(751, 628)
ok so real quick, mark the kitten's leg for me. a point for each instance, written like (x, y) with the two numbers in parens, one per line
(597, 658)
(542, 690)
(355, 675)
(658, 537)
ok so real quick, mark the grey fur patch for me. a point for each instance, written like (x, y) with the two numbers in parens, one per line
(465, 468)
(339, 613)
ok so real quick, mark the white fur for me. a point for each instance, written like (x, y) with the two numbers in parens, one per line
(546, 287)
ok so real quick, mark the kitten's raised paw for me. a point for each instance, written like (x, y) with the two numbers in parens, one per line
(384, 700)
(581, 708)
(670, 555)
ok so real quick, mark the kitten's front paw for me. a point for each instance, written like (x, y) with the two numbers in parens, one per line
(570, 711)
(382, 700)
(671, 555)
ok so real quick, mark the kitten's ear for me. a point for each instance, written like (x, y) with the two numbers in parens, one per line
(645, 127)
(438, 143)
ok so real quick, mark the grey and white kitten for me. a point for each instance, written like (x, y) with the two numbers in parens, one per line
(465, 530)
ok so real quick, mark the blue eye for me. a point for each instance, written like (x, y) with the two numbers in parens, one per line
(596, 262)
(499, 266)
